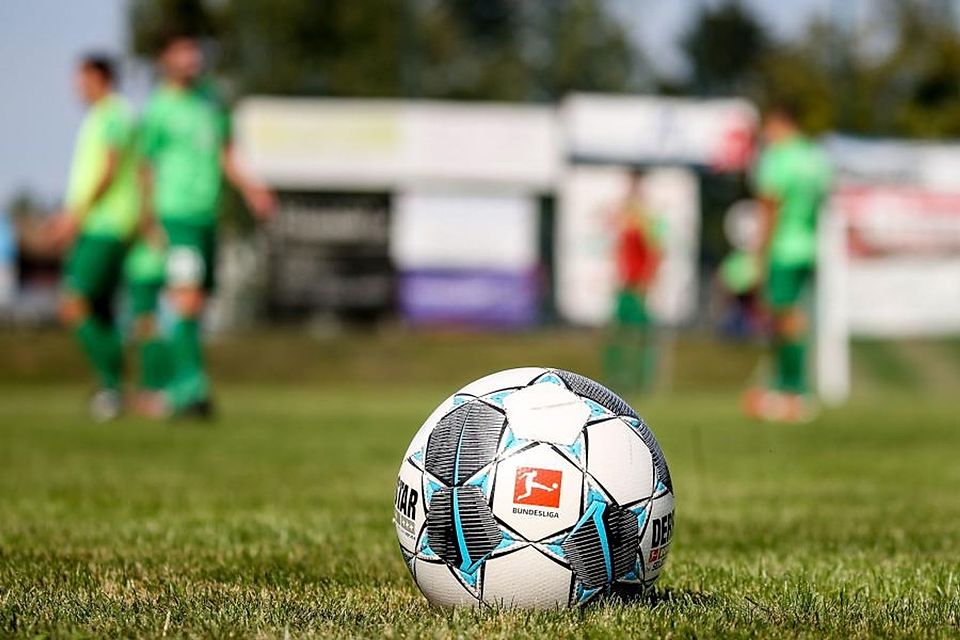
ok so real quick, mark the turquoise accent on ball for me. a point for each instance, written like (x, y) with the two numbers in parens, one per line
(470, 577)
(641, 516)
(465, 561)
(481, 480)
(585, 594)
(595, 409)
(595, 496)
(549, 378)
(431, 488)
(602, 530)
(498, 397)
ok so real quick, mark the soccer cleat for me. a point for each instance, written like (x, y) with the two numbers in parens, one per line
(799, 409)
(106, 405)
(200, 410)
(151, 404)
(775, 406)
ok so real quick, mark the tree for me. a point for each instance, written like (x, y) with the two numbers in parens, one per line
(496, 49)
(724, 49)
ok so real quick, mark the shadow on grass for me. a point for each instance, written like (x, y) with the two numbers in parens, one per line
(636, 595)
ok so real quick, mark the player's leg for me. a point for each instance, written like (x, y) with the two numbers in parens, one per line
(91, 275)
(787, 285)
(629, 354)
(615, 351)
(190, 277)
(153, 349)
(784, 398)
(647, 348)
(145, 275)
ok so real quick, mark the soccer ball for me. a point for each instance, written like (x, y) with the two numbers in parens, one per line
(535, 488)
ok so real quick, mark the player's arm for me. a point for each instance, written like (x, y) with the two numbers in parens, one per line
(257, 196)
(769, 186)
(149, 142)
(68, 223)
(102, 185)
(768, 206)
(148, 228)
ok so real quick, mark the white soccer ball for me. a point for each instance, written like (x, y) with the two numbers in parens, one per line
(535, 488)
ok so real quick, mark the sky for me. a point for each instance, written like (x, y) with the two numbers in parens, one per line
(659, 25)
(41, 39)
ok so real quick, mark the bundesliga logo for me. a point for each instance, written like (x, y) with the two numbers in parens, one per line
(540, 487)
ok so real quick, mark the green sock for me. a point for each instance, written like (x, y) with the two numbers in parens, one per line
(102, 346)
(154, 364)
(791, 356)
(648, 361)
(614, 357)
(190, 382)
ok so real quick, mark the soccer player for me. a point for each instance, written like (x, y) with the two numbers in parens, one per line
(100, 217)
(186, 145)
(629, 353)
(792, 181)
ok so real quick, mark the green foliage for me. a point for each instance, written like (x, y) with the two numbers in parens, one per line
(899, 76)
(153, 20)
(725, 49)
(908, 84)
(492, 50)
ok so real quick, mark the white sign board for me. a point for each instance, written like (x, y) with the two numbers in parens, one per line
(655, 130)
(586, 267)
(384, 145)
(889, 267)
(463, 230)
(862, 161)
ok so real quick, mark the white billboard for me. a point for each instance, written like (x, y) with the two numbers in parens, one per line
(871, 161)
(586, 237)
(889, 267)
(457, 230)
(654, 130)
(300, 143)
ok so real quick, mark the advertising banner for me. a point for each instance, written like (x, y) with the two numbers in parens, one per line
(902, 260)
(889, 267)
(874, 162)
(474, 297)
(650, 130)
(328, 253)
(466, 257)
(384, 145)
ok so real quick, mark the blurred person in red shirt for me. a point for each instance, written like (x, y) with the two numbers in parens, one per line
(629, 355)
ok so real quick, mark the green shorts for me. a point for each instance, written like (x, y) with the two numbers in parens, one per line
(191, 254)
(786, 285)
(94, 266)
(143, 271)
(631, 309)
(144, 297)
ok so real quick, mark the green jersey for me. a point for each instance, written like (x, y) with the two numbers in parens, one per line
(183, 135)
(108, 127)
(796, 175)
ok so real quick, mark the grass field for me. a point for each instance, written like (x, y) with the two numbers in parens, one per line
(277, 520)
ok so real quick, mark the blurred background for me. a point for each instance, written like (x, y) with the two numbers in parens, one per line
(444, 170)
